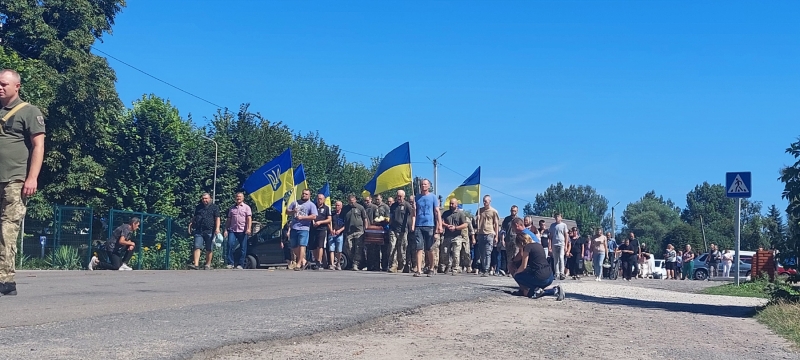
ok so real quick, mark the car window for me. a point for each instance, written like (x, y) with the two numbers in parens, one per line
(702, 257)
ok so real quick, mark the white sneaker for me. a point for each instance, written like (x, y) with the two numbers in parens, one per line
(229, 266)
(125, 267)
(239, 267)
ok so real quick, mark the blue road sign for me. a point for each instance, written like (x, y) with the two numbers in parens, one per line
(738, 185)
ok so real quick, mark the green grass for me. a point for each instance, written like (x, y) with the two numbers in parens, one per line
(782, 318)
(755, 289)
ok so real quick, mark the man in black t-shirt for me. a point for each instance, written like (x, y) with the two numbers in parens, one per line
(321, 226)
(119, 248)
(204, 227)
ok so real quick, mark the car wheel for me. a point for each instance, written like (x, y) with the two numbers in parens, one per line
(344, 262)
(700, 274)
(251, 262)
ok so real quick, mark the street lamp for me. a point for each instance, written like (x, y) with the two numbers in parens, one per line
(216, 151)
(613, 221)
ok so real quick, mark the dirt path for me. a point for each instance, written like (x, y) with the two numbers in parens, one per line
(596, 321)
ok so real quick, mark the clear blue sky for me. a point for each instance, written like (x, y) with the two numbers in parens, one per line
(625, 96)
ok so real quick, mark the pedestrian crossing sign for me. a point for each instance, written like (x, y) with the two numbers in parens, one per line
(738, 185)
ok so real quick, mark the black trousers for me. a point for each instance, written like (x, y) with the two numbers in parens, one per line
(629, 267)
(116, 260)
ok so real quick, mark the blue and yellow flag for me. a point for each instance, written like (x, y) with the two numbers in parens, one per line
(271, 182)
(469, 191)
(326, 191)
(393, 172)
(280, 205)
(300, 183)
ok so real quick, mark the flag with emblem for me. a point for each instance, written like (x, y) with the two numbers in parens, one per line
(271, 182)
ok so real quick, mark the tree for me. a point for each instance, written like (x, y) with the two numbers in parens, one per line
(74, 88)
(651, 218)
(718, 214)
(148, 169)
(790, 176)
(580, 203)
(681, 235)
(775, 228)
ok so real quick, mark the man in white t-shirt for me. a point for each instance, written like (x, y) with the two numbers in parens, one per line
(558, 238)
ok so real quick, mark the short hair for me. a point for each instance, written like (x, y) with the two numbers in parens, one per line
(205, 194)
(378, 196)
(557, 214)
(309, 191)
(338, 202)
(487, 197)
(515, 207)
(574, 228)
(541, 221)
(134, 220)
(517, 221)
(14, 74)
(237, 194)
(351, 196)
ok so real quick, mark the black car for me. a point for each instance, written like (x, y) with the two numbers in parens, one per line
(264, 249)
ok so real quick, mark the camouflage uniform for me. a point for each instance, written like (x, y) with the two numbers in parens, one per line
(16, 146)
(466, 260)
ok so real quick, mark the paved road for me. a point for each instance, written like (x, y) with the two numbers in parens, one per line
(174, 314)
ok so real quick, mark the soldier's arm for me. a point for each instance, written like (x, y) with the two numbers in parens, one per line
(37, 155)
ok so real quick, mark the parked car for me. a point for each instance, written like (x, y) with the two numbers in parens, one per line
(659, 271)
(701, 269)
(784, 271)
(264, 249)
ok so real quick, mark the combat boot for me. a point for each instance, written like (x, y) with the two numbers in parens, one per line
(9, 288)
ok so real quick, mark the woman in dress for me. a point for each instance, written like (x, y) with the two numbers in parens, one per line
(727, 261)
(575, 255)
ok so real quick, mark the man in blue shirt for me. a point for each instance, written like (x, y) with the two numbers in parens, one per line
(303, 213)
(428, 222)
(612, 248)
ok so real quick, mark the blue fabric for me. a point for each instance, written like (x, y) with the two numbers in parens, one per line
(425, 206)
(298, 238)
(335, 243)
(532, 235)
(527, 280)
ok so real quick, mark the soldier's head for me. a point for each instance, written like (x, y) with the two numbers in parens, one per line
(487, 200)
(514, 210)
(401, 195)
(351, 199)
(367, 200)
(453, 204)
(390, 201)
(9, 86)
(378, 199)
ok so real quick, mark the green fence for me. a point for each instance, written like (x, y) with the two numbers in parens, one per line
(73, 227)
(153, 239)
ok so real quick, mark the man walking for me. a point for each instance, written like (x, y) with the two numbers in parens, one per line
(303, 213)
(558, 239)
(488, 228)
(237, 229)
(22, 143)
(427, 223)
(371, 251)
(355, 222)
(336, 240)
(204, 226)
(322, 227)
(455, 227)
(119, 248)
(381, 211)
(401, 216)
(507, 245)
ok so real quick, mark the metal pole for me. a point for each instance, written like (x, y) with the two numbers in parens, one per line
(435, 178)
(738, 235)
(216, 152)
(703, 229)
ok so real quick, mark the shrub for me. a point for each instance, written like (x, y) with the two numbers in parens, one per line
(65, 258)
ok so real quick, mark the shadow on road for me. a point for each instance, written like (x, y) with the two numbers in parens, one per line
(702, 309)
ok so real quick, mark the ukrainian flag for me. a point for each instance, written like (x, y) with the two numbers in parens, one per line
(300, 183)
(393, 172)
(280, 205)
(326, 191)
(469, 191)
(271, 182)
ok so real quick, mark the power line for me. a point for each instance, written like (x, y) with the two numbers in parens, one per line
(487, 186)
(152, 76)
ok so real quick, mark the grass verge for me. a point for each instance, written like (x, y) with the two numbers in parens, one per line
(747, 289)
(782, 318)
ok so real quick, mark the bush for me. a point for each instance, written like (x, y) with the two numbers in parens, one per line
(65, 258)
(25, 262)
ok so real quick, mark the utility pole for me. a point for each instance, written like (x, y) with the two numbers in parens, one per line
(614, 221)
(436, 173)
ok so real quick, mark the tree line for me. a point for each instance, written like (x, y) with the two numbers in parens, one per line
(149, 158)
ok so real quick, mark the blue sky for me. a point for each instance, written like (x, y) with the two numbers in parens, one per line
(625, 96)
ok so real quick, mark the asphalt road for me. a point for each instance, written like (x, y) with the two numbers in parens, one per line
(176, 314)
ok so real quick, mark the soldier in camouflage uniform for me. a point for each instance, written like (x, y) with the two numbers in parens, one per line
(455, 229)
(469, 240)
(22, 143)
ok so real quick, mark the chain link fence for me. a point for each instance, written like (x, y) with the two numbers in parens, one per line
(153, 239)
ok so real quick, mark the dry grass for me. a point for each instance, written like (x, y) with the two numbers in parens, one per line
(783, 318)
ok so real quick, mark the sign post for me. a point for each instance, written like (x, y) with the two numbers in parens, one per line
(738, 186)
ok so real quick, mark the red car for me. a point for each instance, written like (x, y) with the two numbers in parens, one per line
(786, 271)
